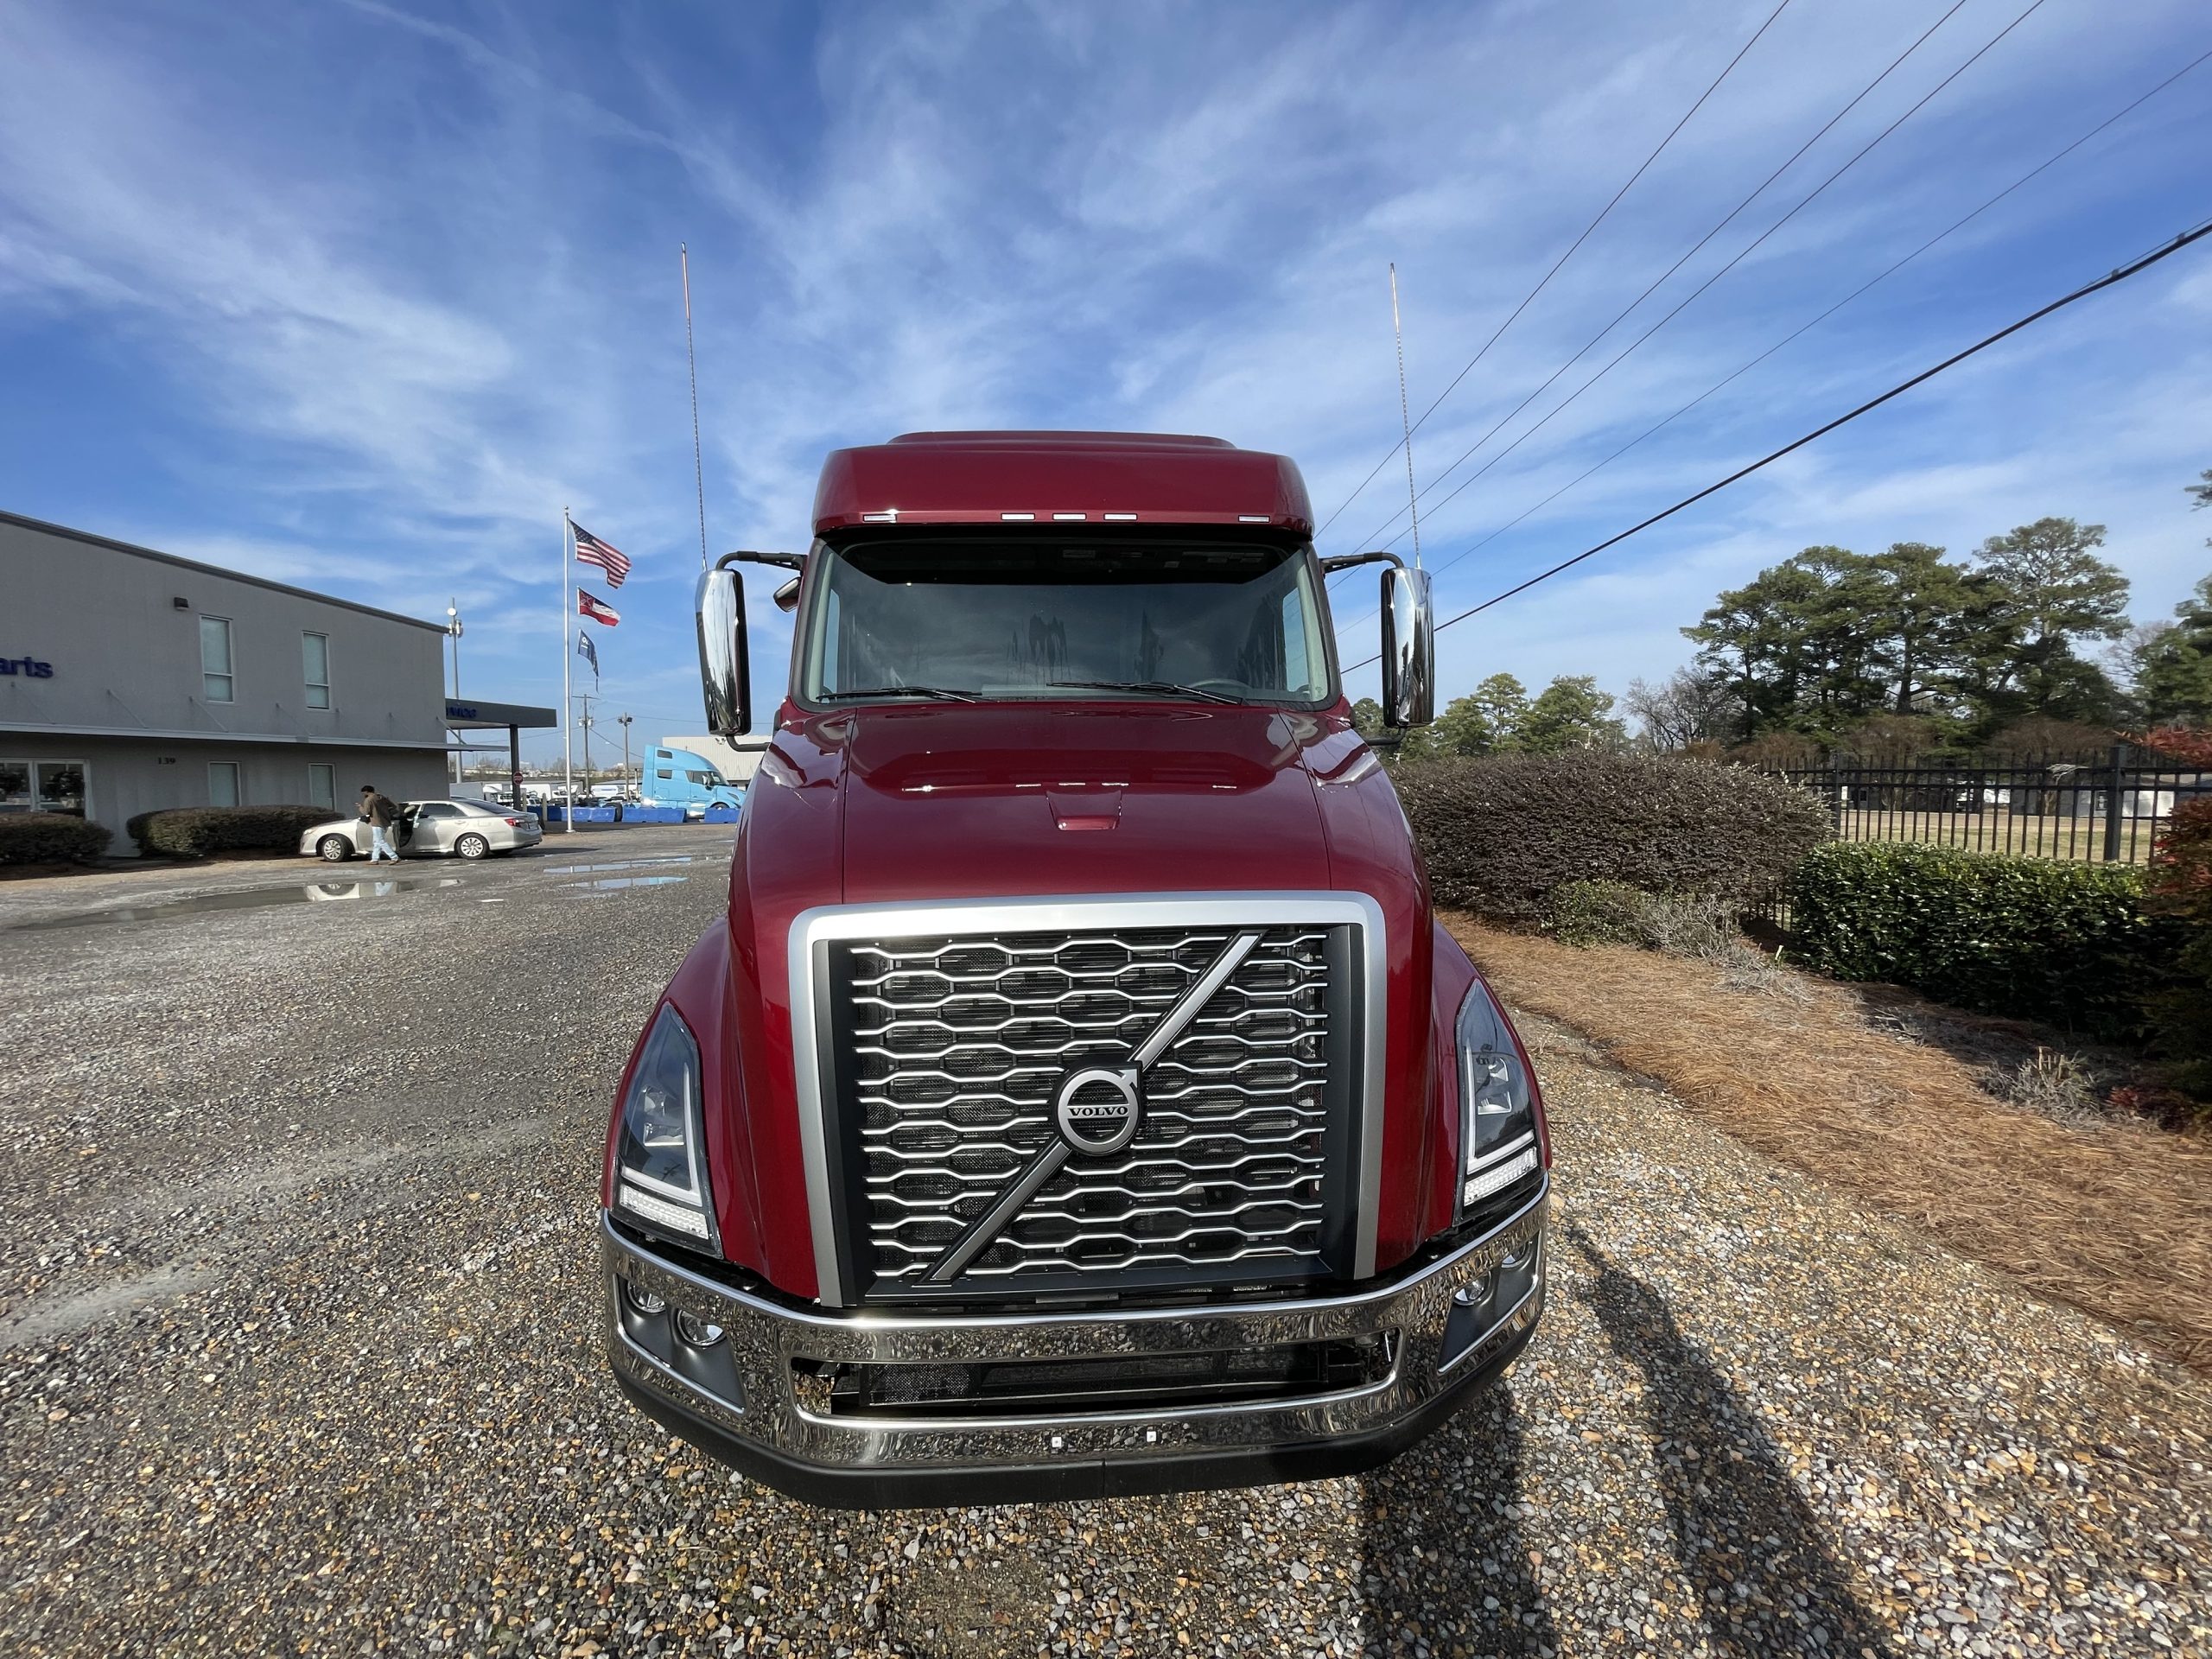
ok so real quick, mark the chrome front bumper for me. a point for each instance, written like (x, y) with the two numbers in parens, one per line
(756, 1398)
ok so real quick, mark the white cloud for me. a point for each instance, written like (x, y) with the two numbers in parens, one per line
(393, 287)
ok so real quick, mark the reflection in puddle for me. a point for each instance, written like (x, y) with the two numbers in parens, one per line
(616, 883)
(617, 864)
(252, 898)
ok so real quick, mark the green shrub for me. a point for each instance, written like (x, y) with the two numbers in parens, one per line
(50, 838)
(2026, 936)
(195, 831)
(1502, 832)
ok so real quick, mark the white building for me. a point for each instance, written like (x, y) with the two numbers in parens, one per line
(133, 680)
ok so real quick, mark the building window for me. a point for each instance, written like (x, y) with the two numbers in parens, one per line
(222, 782)
(216, 683)
(315, 649)
(43, 786)
(61, 787)
(322, 781)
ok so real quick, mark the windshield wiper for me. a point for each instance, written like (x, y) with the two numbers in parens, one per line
(937, 691)
(1151, 688)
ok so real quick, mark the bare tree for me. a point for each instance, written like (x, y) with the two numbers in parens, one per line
(1686, 707)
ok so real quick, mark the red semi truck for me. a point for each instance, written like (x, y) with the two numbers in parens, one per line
(1078, 1097)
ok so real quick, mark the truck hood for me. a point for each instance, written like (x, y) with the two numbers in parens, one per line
(897, 805)
(1125, 797)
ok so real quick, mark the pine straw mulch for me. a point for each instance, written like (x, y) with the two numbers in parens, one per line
(2111, 1216)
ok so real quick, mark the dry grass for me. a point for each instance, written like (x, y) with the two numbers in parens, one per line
(2071, 839)
(2114, 1218)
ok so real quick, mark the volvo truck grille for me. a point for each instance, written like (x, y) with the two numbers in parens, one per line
(973, 1159)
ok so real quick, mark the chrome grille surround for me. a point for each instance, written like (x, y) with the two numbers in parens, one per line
(937, 1031)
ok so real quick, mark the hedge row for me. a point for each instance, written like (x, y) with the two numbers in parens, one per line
(50, 838)
(195, 831)
(2030, 937)
(1500, 831)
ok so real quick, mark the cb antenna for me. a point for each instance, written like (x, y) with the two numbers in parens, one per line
(691, 358)
(1405, 415)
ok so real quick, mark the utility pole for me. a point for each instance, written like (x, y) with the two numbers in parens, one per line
(587, 724)
(453, 629)
(623, 721)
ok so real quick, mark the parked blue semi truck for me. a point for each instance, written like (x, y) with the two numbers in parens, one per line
(680, 778)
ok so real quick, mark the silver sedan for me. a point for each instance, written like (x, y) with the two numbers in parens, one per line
(430, 830)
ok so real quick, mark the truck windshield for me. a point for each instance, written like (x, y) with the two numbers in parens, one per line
(946, 618)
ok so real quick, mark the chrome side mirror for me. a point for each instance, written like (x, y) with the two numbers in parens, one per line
(1409, 649)
(724, 671)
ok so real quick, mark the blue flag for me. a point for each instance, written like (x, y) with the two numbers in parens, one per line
(589, 653)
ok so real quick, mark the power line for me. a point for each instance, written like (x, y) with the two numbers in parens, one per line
(1882, 275)
(1807, 201)
(2108, 280)
(1827, 127)
(1562, 259)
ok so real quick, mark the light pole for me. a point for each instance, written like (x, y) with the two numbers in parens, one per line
(623, 721)
(453, 629)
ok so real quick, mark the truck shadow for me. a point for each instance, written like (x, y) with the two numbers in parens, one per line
(1744, 1535)
(1444, 1566)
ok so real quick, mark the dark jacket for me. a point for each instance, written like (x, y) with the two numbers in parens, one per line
(379, 811)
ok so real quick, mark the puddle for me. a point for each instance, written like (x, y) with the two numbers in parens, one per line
(320, 892)
(616, 883)
(619, 864)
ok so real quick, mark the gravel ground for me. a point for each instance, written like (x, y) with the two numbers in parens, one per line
(299, 1352)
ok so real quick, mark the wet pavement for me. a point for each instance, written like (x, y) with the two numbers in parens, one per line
(249, 898)
(162, 893)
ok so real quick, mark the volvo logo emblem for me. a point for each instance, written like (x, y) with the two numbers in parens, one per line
(1098, 1109)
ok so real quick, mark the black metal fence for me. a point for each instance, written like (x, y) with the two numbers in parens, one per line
(2105, 809)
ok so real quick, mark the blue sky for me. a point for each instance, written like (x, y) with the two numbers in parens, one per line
(358, 294)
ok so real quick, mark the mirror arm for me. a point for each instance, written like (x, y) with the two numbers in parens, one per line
(1352, 560)
(788, 560)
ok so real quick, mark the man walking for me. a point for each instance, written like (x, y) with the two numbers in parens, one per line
(379, 814)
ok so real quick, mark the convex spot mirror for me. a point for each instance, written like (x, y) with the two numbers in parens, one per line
(1409, 649)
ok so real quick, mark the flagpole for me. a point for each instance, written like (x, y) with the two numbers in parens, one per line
(568, 701)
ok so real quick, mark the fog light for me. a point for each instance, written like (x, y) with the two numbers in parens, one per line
(644, 1301)
(1473, 1294)
(699, 1333)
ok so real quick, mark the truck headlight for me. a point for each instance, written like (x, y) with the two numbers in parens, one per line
(1497, 1117)
(660, 1150)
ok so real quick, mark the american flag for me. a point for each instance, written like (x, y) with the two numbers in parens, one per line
(598, 610)
(591, 550)
(588, 651)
